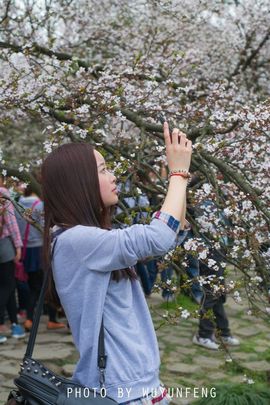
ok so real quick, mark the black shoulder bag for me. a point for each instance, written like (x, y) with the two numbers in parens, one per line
(37, 385)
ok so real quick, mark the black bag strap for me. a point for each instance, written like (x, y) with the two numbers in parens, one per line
(102, 358)
(38, 312)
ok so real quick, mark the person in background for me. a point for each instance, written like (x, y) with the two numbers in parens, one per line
(146, 269)
(33, 259)
(10, 252)
(213, 300)
(193, 272)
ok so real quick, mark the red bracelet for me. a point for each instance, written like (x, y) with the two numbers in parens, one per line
(185, 176)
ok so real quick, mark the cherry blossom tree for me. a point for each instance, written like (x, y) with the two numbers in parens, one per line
(104, 71)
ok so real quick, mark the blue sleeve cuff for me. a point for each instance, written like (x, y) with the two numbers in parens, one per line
(168, 219)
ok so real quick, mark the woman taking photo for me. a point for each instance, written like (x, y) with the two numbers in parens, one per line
(92, 265)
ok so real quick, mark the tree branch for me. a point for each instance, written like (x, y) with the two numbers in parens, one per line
(35, 48)
(24, 176)
(157, 128)
(247, 62)
(22, 211)
(256, 51)
(6, 12)
(239, 180)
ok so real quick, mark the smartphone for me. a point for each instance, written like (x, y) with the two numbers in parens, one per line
(163, 119)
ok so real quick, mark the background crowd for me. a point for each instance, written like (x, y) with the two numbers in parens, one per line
(20, 288)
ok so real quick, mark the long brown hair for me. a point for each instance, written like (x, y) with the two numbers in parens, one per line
(71, 194)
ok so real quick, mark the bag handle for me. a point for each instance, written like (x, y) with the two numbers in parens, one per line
(2, 216)
(102, 358)
(2, 223)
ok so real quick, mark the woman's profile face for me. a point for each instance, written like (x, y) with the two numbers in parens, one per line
(107, 183)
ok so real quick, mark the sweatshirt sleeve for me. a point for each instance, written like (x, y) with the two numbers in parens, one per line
(108, 250)
(10, 222)
(13, 227)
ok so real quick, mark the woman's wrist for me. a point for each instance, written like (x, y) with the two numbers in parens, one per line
(175, 197)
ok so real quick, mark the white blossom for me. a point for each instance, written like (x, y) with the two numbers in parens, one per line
(207, 188)
(236, 296)
(185, 314)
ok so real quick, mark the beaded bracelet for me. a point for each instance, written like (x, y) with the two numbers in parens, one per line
(181, 172)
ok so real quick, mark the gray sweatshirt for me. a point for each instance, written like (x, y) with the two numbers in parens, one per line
(35, 238)
(83, 260)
